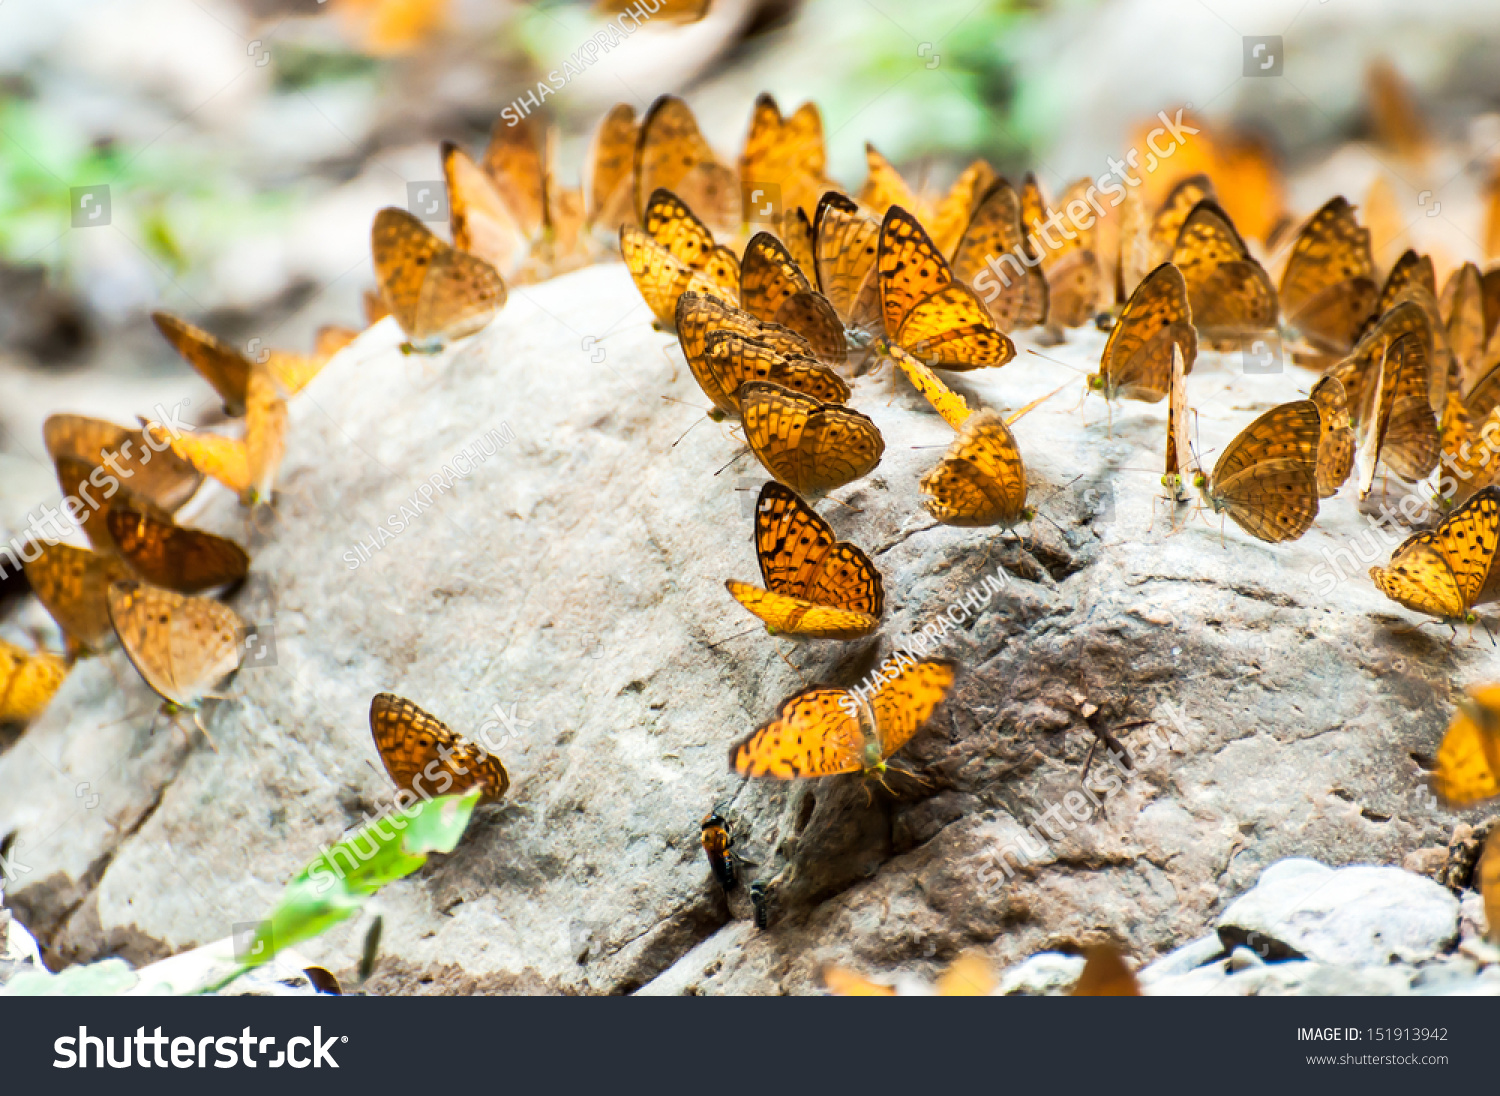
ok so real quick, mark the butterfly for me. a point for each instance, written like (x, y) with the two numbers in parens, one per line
(248, 465)
(28, 681)
(672, 154)
(480, 220)
(1231, 294)
(774, 289)
(1133, 246)
(1359, 371)
(717, 845)
(981, 479)
(1179, 448)
(1327, 289)
(1137, 359)
(1469, 452)
(1071, 262)
(784, 161)
(730, 360)
(174, 556)
(846, 244)
(1336, 443)
(88, 485)
(811, 446)
(883, 186)
(816, 585)
(1410, 269)
(671, 224)
(1489, 883)
(825, 731)
(550, 218)
(1014, 299)
(227, 369)
(1468, 761)
(1402, 430)
(1442, 571)
(153, 473)
(73, 586)
(946, 402)
(1106, 974)
(409, 740)
(925, 310)
(953, 214)
(698, 316)
(1267, 477)
(1393, 111)
(437, 293)
(182, 646)
(612, 158)
(662, 278)
(1185, 196)
(1462, 309)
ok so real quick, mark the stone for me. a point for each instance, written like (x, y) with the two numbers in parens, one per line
(1351, 916)
(1431, 862)
(1046, 974)
(1188, 957)
(1264, 706)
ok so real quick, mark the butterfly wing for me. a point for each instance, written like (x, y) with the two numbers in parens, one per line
(28, 681)
(1468, 761)
(812, 734)
(611, 201)
(1230, 294)
(173, 556)
(952, 329)
(1327, 288)
(846, 245)
(811, 447)
(408, 741)
(903, 704)
(662, 278)
(793, 616)
(1179, 448)
(479, 218)
(216, 361)
(993, 233)
(1336, 442)
(981, 480)
(946, 402)
(73, 584)
(158, 476)
(910, 268)
(1267, 477)
(1137, 359)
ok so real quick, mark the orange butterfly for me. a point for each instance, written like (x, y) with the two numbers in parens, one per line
(1016, 299)
(426, 758)
(437, 293)
(248, 465)
(672, 154)
(773, 288)
(1137, 359)
(926, 311)
(784, 164)
(1327, 288)
(826, 731)
(816, 586)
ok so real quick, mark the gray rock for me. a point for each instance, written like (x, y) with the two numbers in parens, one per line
(1349, 916)
(578, 574)
(1188, 957)
(1046, 974)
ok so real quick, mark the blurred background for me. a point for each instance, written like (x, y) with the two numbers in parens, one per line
(246, 144)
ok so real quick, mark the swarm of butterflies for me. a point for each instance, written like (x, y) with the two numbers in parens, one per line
(774, 324)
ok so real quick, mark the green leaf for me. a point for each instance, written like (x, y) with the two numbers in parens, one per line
(103, 979)
(334, 886)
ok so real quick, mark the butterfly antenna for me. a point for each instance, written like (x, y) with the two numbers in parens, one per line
(735, 459)
(1034, 404)
(688, 431)
(1059, 361)
(726, 639)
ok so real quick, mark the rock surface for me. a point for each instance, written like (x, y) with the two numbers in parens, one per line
(1355, 916)
(577, 575)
